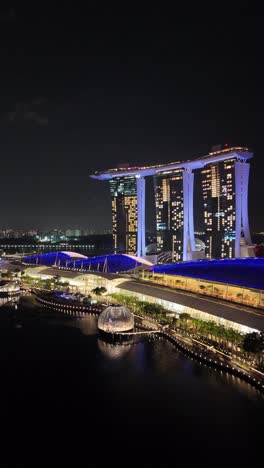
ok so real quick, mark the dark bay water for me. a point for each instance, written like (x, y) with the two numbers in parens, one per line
(59, 377)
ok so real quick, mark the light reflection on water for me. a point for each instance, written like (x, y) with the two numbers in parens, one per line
(87, 325)
(66, 358)
(113, 351)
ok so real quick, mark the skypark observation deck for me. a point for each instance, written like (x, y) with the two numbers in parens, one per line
(136, 219)
(239, 153)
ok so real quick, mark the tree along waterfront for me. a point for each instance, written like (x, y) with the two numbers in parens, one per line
(49, 283)
(249, 347)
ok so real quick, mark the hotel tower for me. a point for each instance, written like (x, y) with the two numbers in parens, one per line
(224, 205)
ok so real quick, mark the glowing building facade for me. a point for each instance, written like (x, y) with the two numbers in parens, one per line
(169, 213)
(124, 214)
(225, 175)
(218, 185)
(224, 186)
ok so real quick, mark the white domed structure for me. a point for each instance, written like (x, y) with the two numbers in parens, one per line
(116, 319)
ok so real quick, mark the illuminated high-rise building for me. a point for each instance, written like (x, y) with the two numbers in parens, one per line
(225, 175)
(124, 213)
(169, 213)
(224, 186)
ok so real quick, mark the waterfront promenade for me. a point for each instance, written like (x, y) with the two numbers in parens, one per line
(238, 316)
(244, 315)
(185, 342)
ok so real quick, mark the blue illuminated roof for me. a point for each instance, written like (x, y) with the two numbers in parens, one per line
(107, 263)
(53, 258)
(104, 263)
(248, 272)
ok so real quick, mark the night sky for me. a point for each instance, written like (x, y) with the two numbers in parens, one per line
(86, 89)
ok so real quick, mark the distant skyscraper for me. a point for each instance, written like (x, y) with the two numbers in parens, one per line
(169, 213)
(223, 184)
(124, 213)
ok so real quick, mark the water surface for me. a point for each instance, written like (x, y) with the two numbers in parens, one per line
(58, 371)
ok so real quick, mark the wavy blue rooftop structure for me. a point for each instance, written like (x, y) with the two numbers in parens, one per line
(248, 272)
(104, 263)
(107, 263)
(60, 259)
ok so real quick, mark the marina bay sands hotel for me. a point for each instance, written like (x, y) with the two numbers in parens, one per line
(224, 175)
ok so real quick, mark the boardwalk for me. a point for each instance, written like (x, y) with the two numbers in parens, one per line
(143, 332)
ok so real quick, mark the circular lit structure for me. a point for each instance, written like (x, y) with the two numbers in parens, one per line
(199, 244)
(116, 319)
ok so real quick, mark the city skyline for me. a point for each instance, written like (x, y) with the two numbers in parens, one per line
(131, 230)
(174, 96)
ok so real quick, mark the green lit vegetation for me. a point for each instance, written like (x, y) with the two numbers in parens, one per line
(144, 309)
(250, 346)
(253, 342)
(49, 283)
(253, 345)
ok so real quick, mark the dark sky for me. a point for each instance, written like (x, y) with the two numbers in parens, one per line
(85, 89)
